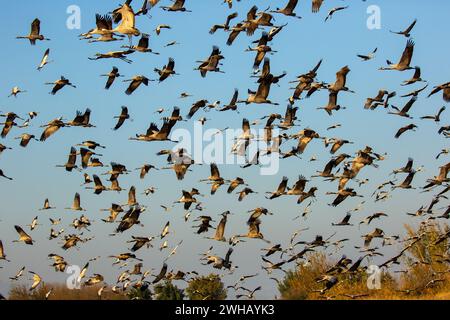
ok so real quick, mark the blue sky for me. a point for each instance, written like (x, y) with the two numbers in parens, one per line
(299, 46)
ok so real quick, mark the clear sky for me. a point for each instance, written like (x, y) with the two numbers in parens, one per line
(299, 47)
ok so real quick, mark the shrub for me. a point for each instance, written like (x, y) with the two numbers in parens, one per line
(424, 274)
(60, 292)
(168, 291)
(208, 287)
(140, 293)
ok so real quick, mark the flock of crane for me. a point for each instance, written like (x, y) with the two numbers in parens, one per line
(345, 169)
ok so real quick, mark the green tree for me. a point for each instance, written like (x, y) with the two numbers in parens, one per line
(208, 287)
(141, 293)
(168, 291)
